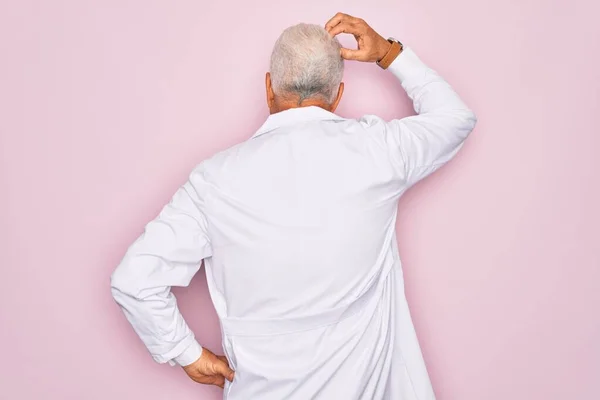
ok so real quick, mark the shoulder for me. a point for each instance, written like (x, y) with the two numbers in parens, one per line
(208, 171)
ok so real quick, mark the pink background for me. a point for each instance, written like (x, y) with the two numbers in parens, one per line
(106, 106)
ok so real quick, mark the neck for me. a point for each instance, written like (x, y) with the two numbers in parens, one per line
(287, 104)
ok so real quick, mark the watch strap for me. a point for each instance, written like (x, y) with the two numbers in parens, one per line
(393, 52)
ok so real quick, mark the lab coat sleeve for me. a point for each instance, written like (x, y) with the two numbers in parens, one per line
(420, 144)
(168, 253)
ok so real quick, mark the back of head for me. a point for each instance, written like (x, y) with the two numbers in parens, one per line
(306, 64)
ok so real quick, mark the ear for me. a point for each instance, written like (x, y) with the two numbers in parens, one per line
(270, 93)
(338, 98)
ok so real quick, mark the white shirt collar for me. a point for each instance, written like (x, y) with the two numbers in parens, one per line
(294, 116)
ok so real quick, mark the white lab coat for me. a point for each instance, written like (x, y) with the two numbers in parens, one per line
(296, 227)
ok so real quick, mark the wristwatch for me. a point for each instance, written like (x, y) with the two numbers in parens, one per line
(395, 49)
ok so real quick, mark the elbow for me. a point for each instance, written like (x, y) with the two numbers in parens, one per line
(126, 282)
(466, 122)
(117, 286)
(470, 120)
(121, 286)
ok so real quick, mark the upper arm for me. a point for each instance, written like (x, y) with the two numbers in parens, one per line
(171, 248)
(422, 143)
(419, 144)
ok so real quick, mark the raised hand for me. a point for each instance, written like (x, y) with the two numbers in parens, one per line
(371, 45)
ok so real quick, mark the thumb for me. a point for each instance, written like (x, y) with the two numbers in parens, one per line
(222, 368)
(350, 54)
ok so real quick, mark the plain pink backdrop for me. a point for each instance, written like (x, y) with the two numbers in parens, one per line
(106, 106)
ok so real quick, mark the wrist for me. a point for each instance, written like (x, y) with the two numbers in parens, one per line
(384, 48)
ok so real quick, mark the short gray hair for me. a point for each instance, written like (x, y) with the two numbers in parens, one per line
(306, 63)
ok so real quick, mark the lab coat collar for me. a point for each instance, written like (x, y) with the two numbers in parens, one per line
(294, 116)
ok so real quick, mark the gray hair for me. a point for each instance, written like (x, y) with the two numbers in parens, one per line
(306, 63)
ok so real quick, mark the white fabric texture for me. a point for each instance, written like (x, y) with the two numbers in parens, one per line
(296, 227)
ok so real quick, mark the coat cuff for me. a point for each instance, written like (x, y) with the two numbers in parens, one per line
(189, 355)
(406, 65)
